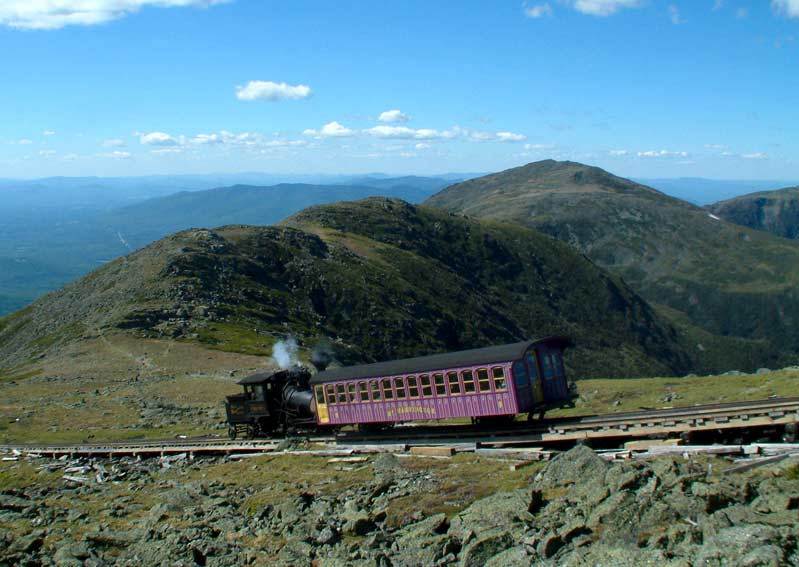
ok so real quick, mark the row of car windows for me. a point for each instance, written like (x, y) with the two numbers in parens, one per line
(414, 387)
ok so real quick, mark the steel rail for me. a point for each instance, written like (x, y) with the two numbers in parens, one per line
(670, 421)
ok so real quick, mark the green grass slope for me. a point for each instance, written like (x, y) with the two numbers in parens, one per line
(380, 278)
(732, 290)
(776, 212)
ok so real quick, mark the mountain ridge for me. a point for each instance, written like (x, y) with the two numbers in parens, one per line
(694, 268)
(380, 278)
(776, 212)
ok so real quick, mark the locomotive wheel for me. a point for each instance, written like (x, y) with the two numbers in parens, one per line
(232, 432)
(252, 431)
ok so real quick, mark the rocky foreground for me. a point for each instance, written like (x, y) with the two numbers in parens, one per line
(576, 510)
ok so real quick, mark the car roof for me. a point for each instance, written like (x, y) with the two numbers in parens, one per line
(472, 357)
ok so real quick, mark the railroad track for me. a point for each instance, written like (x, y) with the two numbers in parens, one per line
(752, 415)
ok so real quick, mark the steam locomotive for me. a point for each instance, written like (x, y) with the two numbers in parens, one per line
(485, 384)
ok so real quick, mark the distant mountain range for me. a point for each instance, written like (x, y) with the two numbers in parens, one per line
(776, 212)
(716, 294)
(379, 278)
(53, 231)
(702, 191)
(731, 290)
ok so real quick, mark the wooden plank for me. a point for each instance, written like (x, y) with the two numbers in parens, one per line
(347, 460)
(439, 451)
(695, 449)
(520, 465)
(754, 463)
(646, 444)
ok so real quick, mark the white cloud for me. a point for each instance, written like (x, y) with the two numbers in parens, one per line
(618, 153)
(330, 130)
(538, 11)
(267, 90)
(718, 5)
(285, 143)
(114, 143)
(662, 154)
(48, 133)
(166, 151)
(70, 157)
(116, 155)
(208, 139)
(755, 155)
(158, 139)
(788, 7)
(742, 13)
(480, 136)
(392, 116)
(47, 153)
(603, 7)
(532, 147)
(422, 146)
(674, 15)
(56, 14)
(405, 133)
(716, 146)
(510, 137)
(24, 142)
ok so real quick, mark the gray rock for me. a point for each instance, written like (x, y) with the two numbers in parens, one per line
(513, 557)
(327, 536)
(579, 465)
(751, 545)
(423, 543)
(478, 551)
(505, 511)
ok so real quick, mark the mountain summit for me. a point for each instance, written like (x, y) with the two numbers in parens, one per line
(731, 289)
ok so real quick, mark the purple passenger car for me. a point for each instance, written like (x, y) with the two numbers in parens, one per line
(503, 380)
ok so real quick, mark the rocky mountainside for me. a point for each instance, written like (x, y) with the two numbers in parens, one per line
(731, 290)
(380, 278)
(776, 212)
(296, 510)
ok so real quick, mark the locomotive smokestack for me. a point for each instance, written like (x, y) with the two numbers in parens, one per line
(322, 355)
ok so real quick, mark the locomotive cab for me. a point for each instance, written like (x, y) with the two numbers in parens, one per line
(270, 402)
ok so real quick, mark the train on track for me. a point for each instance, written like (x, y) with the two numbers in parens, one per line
(490, 384)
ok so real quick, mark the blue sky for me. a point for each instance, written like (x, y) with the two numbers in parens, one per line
(641, 87)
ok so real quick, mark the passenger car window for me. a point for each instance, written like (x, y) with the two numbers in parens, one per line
(388, 391)
(427, 388)
(363, 391)
(500, 384)
(468, 382)
(482, 379)
(441, 389)
(413, 387)
(375, 387)
(330, 392)
(320, 395)
(532, 365)
(351, 392)
(399, 385)
(454, 384)
(341, 394)
(546, 362)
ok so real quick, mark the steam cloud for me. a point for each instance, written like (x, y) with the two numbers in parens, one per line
(322, 355)
(284, 353)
